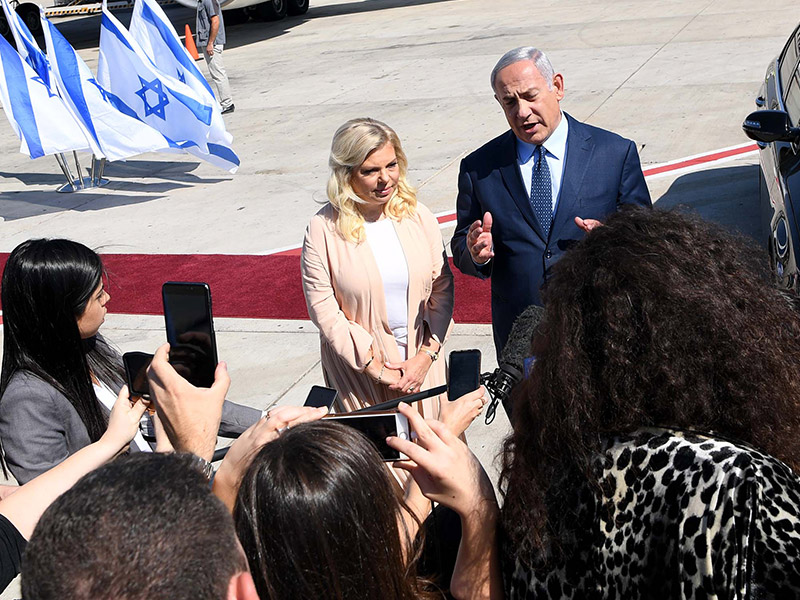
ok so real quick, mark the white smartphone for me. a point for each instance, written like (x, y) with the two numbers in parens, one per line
(376, 427)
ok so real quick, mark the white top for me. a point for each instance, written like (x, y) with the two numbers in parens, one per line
(555, 148)
(382, 239)
(107, 398)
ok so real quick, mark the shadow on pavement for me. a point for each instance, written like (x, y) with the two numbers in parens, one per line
(125, 178)
(727, 195)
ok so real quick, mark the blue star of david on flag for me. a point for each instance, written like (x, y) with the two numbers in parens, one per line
(155, 87)
(50, 94)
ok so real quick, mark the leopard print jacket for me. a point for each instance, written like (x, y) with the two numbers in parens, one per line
(676, 515)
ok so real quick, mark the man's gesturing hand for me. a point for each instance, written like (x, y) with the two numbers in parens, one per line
(479, 240)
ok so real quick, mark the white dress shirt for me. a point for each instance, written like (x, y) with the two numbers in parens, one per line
(556, 152)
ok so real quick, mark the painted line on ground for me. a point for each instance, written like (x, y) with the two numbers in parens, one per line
(672, 168)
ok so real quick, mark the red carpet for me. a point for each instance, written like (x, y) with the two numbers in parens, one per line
(256, 287)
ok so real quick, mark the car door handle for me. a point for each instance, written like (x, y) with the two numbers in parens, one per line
(760, 101)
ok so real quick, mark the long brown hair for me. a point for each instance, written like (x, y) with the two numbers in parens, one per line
(319, 517)
(654, 319)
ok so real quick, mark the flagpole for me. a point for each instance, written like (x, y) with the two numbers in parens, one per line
(100, 170)
(65, 169)
(80, 171)
(94, 165)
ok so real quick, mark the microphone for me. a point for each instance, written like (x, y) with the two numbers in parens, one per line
(511, 365)
(220, 453)
(415, 397)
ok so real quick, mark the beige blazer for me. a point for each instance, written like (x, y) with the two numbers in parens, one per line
(345, 299)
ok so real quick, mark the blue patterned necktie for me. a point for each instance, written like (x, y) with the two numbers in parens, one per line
(541, 191)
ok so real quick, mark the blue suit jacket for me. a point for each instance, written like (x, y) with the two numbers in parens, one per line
(601, 171)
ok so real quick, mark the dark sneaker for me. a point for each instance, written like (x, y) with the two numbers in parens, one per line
(230, 109)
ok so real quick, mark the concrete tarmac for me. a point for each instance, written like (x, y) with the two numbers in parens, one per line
(677, 77)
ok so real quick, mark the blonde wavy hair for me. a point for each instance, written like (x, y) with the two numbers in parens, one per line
(352, 144)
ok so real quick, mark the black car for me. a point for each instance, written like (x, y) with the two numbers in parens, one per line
(775, 129)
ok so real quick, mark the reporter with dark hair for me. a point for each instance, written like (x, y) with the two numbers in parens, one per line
(59, 375)
(319, 517)
(655, 452)
(143, 527)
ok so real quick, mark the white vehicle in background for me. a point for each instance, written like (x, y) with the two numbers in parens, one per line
(271, 10)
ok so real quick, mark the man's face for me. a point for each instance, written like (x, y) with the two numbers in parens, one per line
(531, 107)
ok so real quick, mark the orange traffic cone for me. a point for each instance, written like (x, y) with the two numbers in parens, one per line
(189, 41)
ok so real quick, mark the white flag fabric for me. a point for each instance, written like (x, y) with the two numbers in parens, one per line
(38, 116)
(26, 45)
(161, 44)
(161, 100)
(114, 128)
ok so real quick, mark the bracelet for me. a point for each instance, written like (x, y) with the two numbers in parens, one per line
(433, 355)
(380, 375)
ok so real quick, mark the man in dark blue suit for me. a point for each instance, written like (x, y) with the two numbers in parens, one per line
(528, 195)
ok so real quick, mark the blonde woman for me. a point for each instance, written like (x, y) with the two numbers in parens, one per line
(375, 276)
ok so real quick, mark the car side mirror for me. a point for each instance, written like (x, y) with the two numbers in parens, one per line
(770, 126)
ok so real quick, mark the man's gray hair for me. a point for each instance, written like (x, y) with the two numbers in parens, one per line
(536, 56)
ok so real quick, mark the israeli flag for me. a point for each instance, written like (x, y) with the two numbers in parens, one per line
(156, 35)
(26, 45)
(114, 128)
(161, 100)
(38, 116)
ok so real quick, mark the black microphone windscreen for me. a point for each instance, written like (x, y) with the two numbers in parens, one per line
(518, 346)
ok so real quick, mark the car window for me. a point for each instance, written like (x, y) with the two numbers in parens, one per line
(792, 100)
(789, 61)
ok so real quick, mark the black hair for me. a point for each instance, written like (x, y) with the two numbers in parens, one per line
(319, 516)
(143, 527)
(46, 286)
(655, 319)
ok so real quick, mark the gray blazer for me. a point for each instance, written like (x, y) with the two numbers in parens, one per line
(39, 427)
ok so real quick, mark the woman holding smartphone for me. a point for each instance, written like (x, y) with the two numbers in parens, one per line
(59, 377)
(375, 276)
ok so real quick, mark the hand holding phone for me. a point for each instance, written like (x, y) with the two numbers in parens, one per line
(465, 373)
(190, 331)
(136, 364)
(376, 427)
(321, 396)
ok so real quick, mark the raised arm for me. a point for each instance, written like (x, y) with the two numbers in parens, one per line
(470, 216)
(24, 507)
(447, 472)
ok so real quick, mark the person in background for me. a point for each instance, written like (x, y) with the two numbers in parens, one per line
(375, 275)
(528, 195)
(60, 377)
(211, 41)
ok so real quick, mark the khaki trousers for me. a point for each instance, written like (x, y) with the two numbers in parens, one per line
(219, 78)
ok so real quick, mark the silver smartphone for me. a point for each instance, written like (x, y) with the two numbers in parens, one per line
(376, 427)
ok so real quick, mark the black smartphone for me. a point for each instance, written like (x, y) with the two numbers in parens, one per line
(136, 364)
(376, 428)
(190, 331)
(465, 373)
(321, 396)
